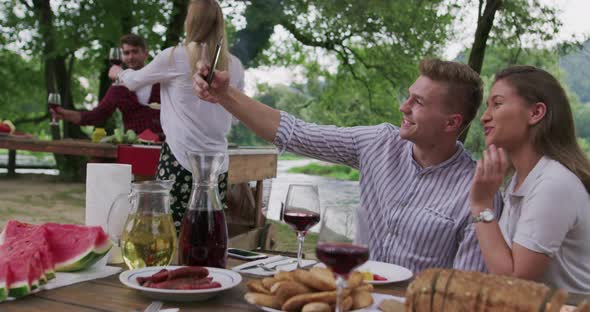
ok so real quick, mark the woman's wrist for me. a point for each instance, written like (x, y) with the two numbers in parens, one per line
(479, 206)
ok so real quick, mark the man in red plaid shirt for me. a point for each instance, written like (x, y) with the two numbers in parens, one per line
(137, 115)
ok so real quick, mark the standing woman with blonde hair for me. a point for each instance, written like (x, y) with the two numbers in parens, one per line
(189, 123)
(544, 231)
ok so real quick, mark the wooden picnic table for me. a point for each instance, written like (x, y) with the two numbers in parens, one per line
(108, 294)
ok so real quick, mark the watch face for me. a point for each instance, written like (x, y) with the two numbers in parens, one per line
(487, 215)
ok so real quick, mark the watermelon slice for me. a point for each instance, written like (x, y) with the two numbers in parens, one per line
(3, 279)
(30, 254)
(147, 136)
(18, 275)
(76, 247)
(33, 237)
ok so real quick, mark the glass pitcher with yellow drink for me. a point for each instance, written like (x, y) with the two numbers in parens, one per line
(140, 223)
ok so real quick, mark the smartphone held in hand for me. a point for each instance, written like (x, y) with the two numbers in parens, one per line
(211, 74)
(245, 254)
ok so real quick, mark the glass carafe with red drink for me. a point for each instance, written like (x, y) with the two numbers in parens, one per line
(203, 233)
(301, 212)
(338, 252)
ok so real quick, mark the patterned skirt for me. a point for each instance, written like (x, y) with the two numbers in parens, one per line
(170, 169)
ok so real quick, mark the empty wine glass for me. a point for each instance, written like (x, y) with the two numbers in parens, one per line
(301, 212)
(54, 101)
(339, 253)
(116, 58)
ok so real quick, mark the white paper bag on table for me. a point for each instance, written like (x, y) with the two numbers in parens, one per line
(104, 182)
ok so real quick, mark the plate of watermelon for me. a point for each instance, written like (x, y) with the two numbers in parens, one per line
(30, 255)
(180, 283)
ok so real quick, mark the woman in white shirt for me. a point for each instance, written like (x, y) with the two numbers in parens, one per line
(189, 123)
(544, 231)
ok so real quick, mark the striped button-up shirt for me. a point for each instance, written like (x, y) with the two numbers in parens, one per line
(412, 216)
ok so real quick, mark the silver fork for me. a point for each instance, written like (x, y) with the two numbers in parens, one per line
(273, 267)
(153, 307)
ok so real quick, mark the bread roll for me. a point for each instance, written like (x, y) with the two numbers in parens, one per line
(453, 290)
(263, 300)
(256, 286)
(316, 307)
(268, 282)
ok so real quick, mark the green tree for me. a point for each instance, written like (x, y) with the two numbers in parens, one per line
(66, 34)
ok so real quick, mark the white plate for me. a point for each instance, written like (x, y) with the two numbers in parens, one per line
(392, 272)
(228, 279)
(377, 298)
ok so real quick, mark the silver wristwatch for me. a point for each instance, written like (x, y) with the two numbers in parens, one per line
(486, 216)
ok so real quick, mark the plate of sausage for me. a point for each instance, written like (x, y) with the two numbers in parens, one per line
(180, 283)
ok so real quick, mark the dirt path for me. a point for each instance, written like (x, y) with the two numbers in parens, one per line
(40, 198)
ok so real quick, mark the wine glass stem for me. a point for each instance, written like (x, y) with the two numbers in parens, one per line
(300, 239)
(340, 285)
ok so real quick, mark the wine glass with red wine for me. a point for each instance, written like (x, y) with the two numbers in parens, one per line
(116, 58)
(339, 253)
(54, 101)
(301, 211)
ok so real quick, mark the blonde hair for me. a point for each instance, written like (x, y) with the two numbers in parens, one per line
(555, 135)
(204, 24)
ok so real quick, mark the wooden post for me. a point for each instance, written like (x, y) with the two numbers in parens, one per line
(11, 163)
(260, 219)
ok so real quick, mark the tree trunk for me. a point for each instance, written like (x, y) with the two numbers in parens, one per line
(176, 24)
(58, 79)
(485, 22)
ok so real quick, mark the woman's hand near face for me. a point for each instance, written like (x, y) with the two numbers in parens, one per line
(489, 175)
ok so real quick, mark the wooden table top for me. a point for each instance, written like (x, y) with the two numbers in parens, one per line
(108, 294)
(246, 163)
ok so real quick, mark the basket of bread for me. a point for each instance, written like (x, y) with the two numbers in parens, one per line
(453, 290)
(308, 291)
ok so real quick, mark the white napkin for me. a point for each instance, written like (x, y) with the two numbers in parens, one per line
(104, 182)
(95, 272)
(377, 298)
(286, 264)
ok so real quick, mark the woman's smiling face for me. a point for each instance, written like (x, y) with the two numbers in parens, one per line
(506, 118)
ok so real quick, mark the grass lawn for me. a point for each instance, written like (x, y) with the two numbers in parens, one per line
(334, 171)
(40, 198)
(290, 156)
(286, 239)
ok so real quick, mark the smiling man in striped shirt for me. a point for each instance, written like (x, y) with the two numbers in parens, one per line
(414, 179)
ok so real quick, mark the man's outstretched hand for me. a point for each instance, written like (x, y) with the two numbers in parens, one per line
(59, 113)
(219, 86)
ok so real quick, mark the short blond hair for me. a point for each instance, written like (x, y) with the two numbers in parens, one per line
(465, 88)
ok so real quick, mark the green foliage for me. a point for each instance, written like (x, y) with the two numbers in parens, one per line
(528, 19)
(23, 94)
(280, 97)
(334, 171)
(577, 67)
(377, 45)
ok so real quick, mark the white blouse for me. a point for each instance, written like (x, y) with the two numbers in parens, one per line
(189, 123)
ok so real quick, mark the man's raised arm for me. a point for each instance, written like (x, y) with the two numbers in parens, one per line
(262, 119)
